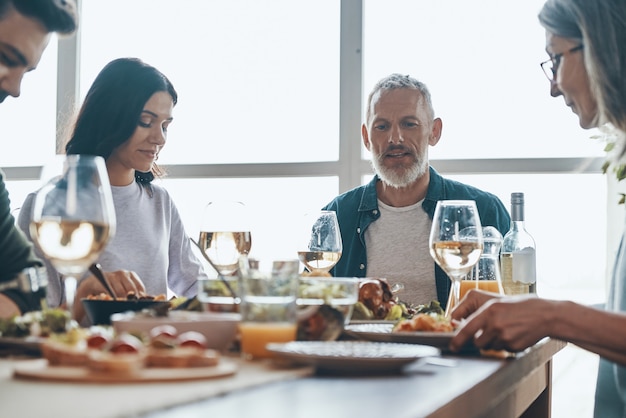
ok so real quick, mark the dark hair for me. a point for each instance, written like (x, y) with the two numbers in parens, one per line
(113, 106)
(55, 15)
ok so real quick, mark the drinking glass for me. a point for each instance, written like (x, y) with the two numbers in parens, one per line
(74, 218)
(485, 275)
(321, 245)
(456, 241)
(269, 289)
(225, 235)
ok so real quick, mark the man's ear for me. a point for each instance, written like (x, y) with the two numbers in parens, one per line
(435, 134)
(366, 137)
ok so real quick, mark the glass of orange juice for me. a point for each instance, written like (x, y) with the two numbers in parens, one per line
(268, 304)
(486, 273)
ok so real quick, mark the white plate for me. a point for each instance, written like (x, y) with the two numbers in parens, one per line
(382, 332)
(353, 356)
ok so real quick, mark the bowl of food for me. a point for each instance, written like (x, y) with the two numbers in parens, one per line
(340, 293)
(218, 328)
(99, 311)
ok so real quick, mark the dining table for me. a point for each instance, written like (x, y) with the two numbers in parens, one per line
(451, 385)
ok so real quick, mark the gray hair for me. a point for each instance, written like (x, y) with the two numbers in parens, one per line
(600, 25)
(399, 81)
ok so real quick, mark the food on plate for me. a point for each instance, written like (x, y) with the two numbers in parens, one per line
(163, 336)
(182, 303)
(98, 340)
(424, 322)
(125, 343)
(377, 301)
(69, 349)
(38, 323)
(376, 296)
(167, 348)
(192, 339)
(129, 296)
(125, 354)
(319, 323)
(100, 350)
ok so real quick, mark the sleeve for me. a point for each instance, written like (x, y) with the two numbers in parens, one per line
(185, 269)
(494, 213)
(16, 253)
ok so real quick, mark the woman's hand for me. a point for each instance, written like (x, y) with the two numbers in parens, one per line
(472, 301)
(122, 282)
(502, 323)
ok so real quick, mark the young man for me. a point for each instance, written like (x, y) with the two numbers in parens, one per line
(25, 30)
(385, 225)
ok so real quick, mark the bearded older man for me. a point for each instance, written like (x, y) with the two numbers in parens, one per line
(385, 224)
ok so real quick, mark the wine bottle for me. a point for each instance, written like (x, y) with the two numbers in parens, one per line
(517, 257)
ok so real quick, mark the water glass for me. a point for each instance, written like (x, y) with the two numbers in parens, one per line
(216, 293)
(268, 307)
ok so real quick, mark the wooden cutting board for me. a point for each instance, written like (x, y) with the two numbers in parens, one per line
(82, 374)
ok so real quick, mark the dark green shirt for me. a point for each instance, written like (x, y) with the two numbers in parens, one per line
(358, 208)
(16, 252)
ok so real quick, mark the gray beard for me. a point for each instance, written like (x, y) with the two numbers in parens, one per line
(400, 177)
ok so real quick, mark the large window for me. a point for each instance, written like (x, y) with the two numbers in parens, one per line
(258, 81)
(29, 124)
(481, 62)
(271, 100)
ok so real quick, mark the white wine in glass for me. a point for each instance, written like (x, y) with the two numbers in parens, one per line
(225, 236)
(456, 241)
(222, 249)
(74, 218)
(322, 245)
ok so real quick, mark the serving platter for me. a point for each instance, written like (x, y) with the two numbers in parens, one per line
(42, 371)
(353, 356)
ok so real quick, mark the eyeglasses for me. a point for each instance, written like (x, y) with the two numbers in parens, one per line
(550, 66)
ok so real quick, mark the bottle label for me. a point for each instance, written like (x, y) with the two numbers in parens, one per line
(510, 286)
(524, 266)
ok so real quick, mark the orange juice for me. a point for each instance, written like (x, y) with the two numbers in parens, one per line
(256, 335)
(467, 285)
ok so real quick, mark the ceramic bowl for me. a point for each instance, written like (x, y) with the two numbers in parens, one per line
(100, 311)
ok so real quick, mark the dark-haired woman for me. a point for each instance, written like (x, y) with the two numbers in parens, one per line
(124, 118)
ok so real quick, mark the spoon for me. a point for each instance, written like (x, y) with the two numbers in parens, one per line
(96, 270)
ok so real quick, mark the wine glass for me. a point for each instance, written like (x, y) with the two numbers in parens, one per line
(321, 244)
(225, 235)
(74, 218)
(456, 241)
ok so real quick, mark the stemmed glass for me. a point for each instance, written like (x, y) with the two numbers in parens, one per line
(456, 241)
(74, 218)
(225, 235)
(321, 245)
(224, 238)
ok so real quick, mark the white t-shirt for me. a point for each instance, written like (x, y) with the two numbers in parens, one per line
(397, 249)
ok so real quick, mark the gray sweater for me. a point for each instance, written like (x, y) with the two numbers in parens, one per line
(150, 239)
